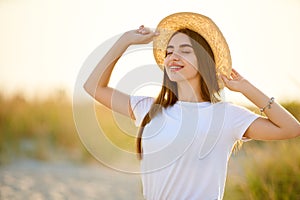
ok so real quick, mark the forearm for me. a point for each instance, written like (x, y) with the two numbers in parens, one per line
(102, 72)
(276, 113)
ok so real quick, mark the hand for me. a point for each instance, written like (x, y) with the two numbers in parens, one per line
(143, 35)
(235, 82)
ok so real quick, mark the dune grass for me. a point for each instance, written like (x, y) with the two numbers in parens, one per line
(266, 170)
(39, 129)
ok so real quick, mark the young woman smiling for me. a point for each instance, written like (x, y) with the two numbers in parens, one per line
(187, 133)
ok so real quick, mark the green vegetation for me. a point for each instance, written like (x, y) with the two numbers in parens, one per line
(45, 130)
(39, 129)
(266, 170)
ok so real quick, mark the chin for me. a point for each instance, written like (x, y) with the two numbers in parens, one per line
(176, 78)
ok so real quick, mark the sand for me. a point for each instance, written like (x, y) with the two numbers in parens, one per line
(29, 179)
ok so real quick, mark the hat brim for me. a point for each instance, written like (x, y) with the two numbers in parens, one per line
(200, 24)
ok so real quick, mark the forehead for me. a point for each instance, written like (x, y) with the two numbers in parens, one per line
(178, 39)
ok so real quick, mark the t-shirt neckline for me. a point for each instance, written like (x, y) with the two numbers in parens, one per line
(202, 103)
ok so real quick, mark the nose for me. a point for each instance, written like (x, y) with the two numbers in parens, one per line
(174, 56)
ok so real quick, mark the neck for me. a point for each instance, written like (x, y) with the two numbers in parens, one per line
(189, 91)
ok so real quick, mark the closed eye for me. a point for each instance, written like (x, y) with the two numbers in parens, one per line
(183, 51)
(187, 51)
(169, 53)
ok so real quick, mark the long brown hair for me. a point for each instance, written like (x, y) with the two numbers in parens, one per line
(168, 95)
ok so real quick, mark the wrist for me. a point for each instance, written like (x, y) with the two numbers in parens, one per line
(128, 38)
(125, 39)
(245, 86)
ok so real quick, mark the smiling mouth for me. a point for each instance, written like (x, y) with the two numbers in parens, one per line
(175, 68)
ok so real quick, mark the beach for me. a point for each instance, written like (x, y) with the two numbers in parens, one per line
(31, 179)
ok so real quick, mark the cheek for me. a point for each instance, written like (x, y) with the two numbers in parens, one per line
(167, 60)
(192, 62)
(191, 70)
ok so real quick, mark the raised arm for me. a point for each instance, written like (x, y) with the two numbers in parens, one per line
(279, 123)
(97, 83)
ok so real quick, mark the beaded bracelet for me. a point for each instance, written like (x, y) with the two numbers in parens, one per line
(270, 102)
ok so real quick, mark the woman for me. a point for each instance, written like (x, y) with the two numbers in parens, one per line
(187, 134)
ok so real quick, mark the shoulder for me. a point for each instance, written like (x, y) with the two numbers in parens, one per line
(234, 113)
(232, 108)
(236, 119)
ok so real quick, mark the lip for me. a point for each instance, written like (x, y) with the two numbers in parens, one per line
(175, 67)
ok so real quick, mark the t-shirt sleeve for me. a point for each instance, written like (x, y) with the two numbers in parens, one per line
(140, 106)
(241, 118)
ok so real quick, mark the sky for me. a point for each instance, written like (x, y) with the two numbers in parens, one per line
(44, 44)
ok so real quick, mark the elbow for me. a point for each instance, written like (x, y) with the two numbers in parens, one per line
(87, 87)
(292, 132)
(296, 131)
(91, 88)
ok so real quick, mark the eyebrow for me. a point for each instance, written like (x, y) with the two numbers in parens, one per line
(180, 46)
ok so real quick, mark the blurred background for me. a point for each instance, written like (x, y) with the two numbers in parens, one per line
(44, 45)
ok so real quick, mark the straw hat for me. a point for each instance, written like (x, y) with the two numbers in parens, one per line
(200, 24)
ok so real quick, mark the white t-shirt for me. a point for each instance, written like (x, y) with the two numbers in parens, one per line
(186, 147)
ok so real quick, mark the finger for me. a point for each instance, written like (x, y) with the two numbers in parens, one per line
(236, 73)
(143, 31)
(224, 79)
(146, 38)
(140, 29)
(233, 75)
(233, 70)
(151, 34)
(146, 30)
